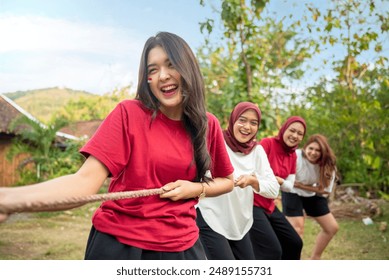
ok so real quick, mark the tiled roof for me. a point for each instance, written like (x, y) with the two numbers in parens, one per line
(10, 111)
(82, 129)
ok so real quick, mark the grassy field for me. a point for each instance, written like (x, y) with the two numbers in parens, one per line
(63, 235)
(354, 240)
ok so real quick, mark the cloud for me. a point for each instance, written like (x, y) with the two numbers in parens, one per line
(41, 52)
(32, 33)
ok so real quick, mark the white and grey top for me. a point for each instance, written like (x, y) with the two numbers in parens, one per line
(308, 173)
(231, 214)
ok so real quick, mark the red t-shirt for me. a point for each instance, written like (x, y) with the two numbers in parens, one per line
(282, 163)
(141, 153)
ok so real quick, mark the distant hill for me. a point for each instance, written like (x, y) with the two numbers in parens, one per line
(43, 103)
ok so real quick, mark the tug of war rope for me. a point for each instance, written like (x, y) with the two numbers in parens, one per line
(76, 201)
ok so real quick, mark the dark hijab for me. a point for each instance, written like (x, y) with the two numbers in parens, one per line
(228, 134)
(280, 137)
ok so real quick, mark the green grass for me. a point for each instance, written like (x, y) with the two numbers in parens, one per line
(46, 236)
(354, 240)
(63, 236)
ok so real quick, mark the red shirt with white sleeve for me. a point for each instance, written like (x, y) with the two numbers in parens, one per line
(282, 163)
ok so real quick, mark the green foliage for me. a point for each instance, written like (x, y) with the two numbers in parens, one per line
(252, 61)
(351, 108)
(44, 103)
(46, 160)
(47, 157)
(356, 127)
(48, 105)
(258, 56)
(95, 107)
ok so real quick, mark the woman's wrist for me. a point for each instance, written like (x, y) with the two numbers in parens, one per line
(254, 183)
(203, 191)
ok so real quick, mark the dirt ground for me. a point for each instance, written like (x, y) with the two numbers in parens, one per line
(63, 235)
(52, 237)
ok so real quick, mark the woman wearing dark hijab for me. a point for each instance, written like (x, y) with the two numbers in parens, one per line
(272, 236)
(225, 221)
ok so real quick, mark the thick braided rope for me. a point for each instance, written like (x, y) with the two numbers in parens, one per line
(77, 201)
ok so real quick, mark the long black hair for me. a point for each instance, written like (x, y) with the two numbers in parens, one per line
(194, 113)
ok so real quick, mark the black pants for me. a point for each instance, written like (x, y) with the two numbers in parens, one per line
(217, 247)
(102, 246)
(273, 237)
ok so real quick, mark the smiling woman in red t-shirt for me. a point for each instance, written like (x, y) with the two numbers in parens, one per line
(162, 139)
(272, 236)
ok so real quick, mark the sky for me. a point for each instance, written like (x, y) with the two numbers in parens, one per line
(93, 45)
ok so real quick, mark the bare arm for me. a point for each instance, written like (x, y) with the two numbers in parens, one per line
(86, 181)
(317, 189)
(247, 180)
(182, 189)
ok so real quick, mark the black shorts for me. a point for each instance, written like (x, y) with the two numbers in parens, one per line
(294, 205)
(102, 246)
(218, 247)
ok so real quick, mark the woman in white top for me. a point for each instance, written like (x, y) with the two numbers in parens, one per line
(315, 176)
(225, 221)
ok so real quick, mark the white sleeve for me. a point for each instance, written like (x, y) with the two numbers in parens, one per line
(288, 183)
(331, 186)
(268, 185)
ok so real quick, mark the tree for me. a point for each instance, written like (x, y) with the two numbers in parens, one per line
(93, 107)
(253, 61)
(350, 107)
(45, 158)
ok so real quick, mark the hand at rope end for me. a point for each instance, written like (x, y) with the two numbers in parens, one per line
(3, 217)
(4, 214)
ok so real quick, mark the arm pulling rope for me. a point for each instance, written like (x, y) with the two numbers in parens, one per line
(76, 201)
